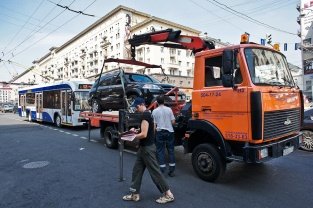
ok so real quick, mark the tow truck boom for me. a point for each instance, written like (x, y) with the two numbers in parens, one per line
(194, 43)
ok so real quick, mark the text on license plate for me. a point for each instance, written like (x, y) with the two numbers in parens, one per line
(288, 150)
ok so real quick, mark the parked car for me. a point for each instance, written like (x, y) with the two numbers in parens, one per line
(109, 95)
(307, 130)
(6, 108)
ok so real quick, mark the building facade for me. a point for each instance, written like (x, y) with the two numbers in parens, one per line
(83, 55)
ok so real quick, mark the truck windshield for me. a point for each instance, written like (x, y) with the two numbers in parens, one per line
(268, 67)
(81, 101)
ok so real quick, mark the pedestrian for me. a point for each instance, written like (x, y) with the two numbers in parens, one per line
(146, 158)
(164, 120)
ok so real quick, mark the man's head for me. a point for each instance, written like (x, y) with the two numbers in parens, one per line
(160, 99)
(139, 104)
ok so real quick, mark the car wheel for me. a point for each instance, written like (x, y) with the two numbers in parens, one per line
(110, 138)
(307, 143)
(96, 108)
(131, 98)
(58, 121)
(208, 162)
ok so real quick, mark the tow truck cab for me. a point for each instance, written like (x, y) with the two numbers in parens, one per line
(245, 103)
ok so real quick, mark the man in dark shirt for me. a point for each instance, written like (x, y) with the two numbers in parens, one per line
(146, 158)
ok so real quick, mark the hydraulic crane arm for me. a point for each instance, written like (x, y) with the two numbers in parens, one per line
(194, 43)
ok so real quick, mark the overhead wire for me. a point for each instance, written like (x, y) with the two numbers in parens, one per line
(223, 19)
(246, 17)
(41, 27)
(72, 10)
(31, 45)
(259, 10)
(16, 34)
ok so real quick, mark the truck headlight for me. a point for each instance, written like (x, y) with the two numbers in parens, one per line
(263, 153)
(151, 86)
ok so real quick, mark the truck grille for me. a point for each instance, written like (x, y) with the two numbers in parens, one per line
(277, 123)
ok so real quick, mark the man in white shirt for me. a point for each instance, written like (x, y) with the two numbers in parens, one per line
(164, 120)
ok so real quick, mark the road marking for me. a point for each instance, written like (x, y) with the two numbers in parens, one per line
(83, 137)
(75, 135)
(61, 131)
(92, 140)
(67, 132)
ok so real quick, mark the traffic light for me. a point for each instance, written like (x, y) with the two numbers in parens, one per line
(269, 39)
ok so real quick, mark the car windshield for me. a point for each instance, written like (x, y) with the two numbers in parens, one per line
(268, 67)
(140, 78)
(81, 101)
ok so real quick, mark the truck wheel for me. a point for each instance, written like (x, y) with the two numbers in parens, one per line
(96, 108)
(207, 162)
(58, 121)
(307, 144)
(110, 140)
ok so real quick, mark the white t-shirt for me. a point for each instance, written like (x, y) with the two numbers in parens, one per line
(163, 117)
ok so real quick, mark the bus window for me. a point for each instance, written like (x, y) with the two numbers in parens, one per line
(51, 99)
(81, 101)
(30, 98)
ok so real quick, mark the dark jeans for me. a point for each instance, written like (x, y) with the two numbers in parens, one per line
(164, 139)
(146, 159)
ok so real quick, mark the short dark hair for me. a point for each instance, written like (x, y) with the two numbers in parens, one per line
(160, 99)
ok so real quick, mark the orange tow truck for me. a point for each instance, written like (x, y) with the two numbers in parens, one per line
(245, 105)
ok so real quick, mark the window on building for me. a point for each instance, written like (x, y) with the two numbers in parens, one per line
(162, 60)
(162, 49)
(179, 63)
(308, 85)
(178, 52)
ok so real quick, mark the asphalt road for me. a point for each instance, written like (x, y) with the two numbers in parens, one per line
(44, 166)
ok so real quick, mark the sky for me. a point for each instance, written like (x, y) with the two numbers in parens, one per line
(29, 28)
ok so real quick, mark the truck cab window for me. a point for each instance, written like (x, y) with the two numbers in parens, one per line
(213, 71)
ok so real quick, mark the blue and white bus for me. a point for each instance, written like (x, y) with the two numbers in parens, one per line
(59, 103)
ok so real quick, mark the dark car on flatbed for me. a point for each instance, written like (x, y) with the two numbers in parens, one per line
(108, 94)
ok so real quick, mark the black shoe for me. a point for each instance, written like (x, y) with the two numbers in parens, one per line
(171, 174)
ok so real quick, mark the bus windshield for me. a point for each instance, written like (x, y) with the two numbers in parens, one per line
(81, 101)
(268, 67)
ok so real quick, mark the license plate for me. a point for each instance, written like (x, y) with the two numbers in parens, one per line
(288, 150)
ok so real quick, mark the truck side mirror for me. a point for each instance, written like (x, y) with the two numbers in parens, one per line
(228, 68)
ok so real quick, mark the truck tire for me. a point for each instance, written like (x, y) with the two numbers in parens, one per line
(110, 140)
(307, 144)
(207, 162)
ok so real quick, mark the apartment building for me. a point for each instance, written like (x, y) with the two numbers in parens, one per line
(5, 93)
(83, 55)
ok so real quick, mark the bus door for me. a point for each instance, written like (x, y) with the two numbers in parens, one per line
(66, 106)
(23, 105)
(38, 103)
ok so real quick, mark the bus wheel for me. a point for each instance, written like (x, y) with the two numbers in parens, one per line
(57, 121)
(96, 108)
(207, 162)
(110, 138)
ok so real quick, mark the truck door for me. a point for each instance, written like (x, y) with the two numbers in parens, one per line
(38, 103)
(66, 106)
(224, 107)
